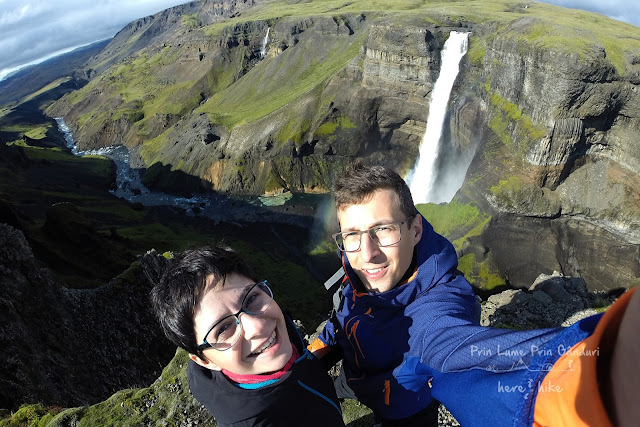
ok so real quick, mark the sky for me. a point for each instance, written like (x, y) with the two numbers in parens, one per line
(623, 10)
(32, 31)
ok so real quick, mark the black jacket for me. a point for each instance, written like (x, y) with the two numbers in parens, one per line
(304, 396)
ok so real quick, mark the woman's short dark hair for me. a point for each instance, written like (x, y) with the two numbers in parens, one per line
(358, 183)
(181, 286)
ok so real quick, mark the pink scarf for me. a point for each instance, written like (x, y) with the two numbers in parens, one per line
(253, 379)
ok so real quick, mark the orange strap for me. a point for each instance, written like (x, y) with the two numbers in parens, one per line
(318, 348)
(570, 394)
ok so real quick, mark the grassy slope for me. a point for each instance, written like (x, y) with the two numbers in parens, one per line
(166, 402)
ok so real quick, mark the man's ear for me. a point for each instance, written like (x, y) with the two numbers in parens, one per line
(416, 228)
(204, 363)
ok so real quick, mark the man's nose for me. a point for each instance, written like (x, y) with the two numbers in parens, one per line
(368, 248)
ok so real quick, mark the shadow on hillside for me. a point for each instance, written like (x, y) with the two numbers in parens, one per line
(161, 177)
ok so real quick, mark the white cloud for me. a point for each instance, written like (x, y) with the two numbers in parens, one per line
(34, 29)
(622, 10)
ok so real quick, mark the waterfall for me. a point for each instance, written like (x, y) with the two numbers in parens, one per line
(422, 177)
(263, 51)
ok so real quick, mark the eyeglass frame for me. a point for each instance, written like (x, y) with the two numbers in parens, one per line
(369, 231)
(206, 344)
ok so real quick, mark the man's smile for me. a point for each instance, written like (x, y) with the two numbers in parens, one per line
(374, 273)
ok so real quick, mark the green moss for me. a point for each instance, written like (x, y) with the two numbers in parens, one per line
(514, 129)
(481, 274)
(150, 149)
(97, 164)
(135, 116)
(475, 231)
(328, 129)
(450, 216)
(455, 220)
(138, 91)
(115, 209)
(160, 236)
(34, 415)
(294, 130)
(274, 181)
(38, 133)
(130, 275)
(476, 51)
(489, 277)
(316, 173)
(96, 119)
(54, 84)
(466, 264)
(31, 131)
(190, 21)
(512, 184)
(219, 78)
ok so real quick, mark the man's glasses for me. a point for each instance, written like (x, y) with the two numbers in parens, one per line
(381, 235)
(226, 332)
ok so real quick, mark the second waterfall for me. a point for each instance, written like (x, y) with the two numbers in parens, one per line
(421, 179)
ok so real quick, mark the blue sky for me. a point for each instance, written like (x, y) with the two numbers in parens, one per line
(622, 10)
(34, 30)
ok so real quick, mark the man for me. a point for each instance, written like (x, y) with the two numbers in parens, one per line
(406, 320)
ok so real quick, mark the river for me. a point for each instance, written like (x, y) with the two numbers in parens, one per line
(297, 210)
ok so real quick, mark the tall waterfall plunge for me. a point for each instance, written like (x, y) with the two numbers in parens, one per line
(263, 50)
(422, 177)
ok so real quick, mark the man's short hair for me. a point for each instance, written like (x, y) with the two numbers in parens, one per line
(358, 183)
(182, 284)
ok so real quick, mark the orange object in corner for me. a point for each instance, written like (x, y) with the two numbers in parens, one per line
(570, 394)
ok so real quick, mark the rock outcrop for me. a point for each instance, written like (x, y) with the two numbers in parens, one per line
(551, 301)
(71, 347)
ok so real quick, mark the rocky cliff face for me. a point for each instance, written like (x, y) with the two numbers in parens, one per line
(71, 347)
(560, 176)
(549, 114)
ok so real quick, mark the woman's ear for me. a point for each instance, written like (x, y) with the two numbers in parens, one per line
(204, 363)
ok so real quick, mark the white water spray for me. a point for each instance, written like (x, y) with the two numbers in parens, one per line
(263, 51)
(422, 177)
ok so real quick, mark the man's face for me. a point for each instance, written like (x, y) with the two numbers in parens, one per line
(263, 346)
(380, 268)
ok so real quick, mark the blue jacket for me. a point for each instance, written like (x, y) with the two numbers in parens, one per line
(400, 343)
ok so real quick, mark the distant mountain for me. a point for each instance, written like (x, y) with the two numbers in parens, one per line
(35, 77)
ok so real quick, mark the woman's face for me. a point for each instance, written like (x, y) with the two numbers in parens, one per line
(263, 346)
